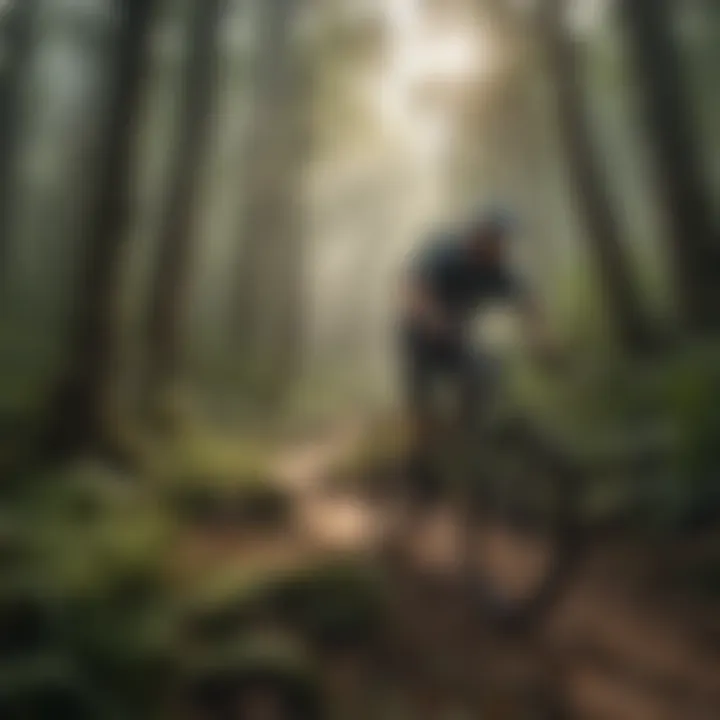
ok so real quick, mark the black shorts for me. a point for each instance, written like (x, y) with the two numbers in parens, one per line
(426, 360)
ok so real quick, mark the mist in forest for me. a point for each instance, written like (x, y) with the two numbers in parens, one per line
(207, 208)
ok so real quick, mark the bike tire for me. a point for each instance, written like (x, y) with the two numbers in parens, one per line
(563, 480)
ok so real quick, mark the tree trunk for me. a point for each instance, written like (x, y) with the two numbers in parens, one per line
(17, 35)
(169, 292)
(268, 300)
(77, 420)
(626, 312)
(683, 193)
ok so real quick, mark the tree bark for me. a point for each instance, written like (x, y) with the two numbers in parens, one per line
(77, 420)
(17, 32)
(269, 293)
(169, 292)
(694, 241)
(626, 313)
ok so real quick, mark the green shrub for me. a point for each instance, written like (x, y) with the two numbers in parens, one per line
(247, 501)
(212, 480)
(331, 603)
(691, 394)
(273, 664)
(91, 587)
(340, 602)
(48, 688)
(228, 605)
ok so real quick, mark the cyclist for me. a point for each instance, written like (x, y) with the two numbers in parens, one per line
(445, 284)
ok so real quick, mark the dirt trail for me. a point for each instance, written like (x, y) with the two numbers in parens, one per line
(608, 651)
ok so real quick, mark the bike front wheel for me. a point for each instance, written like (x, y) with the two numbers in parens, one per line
(521, 536)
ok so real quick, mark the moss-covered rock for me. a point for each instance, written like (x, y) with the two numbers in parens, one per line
(235, 500)
(333, 603)
(221, 482)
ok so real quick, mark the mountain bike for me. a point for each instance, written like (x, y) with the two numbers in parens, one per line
(511, 491)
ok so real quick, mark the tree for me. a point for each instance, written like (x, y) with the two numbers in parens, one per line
(268, 298)
(77, 418)
(166, 315)
(592, 198)
(16, 30)
(684, 198)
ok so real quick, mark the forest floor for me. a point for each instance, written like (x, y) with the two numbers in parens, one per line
(619, 645)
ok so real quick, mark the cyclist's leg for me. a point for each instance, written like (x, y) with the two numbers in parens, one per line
(477, 378)
(419, 376)
(464, 373)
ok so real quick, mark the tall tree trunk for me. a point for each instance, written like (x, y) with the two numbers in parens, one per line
(169, 292)
(603, 232)
(77, 420)
(694, 239)
(268, 299)
(17, 37)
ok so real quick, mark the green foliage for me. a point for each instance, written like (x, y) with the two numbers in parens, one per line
(244, 502)
(263, 662)
(328, 602)
(91, 615)
(21, 406)
(269, 629)
(692, 391)
(98, 534)
(669, 403)
(341, 602)
(48, 687)
(86, 593)
(227, 605)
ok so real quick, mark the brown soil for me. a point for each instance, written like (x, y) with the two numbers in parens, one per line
(613, 648)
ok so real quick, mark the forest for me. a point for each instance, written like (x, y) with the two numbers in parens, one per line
(205, 210)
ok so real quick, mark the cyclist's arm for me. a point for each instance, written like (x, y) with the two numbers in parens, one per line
(421, 306)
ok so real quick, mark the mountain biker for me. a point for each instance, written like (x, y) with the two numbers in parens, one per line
(446, 283)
